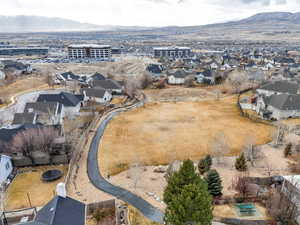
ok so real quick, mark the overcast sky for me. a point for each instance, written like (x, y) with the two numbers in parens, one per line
(147, 12)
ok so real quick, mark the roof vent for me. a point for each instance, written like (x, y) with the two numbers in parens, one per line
(61, 190)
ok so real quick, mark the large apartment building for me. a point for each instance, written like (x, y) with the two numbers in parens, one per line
(24, 51)
(89, 51)
(172, 52)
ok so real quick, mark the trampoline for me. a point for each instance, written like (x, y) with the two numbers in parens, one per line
(51, 175)
(246, 209)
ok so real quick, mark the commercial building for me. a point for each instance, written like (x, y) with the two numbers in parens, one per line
(24, 51)
(172, 52)
(89, 51)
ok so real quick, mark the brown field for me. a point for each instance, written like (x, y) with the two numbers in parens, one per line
(136, 218)
(30, 183)
(23, 85)
(161, 132)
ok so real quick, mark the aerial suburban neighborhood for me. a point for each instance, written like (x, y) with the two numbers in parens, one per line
(156, 121)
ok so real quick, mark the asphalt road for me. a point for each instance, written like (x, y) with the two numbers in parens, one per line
(98, 180)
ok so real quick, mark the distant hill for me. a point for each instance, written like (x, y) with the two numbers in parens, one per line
(48, 24)
(268, 23)
(273, 21)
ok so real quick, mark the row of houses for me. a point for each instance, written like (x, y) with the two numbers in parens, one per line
(275, 100)
(50, 110)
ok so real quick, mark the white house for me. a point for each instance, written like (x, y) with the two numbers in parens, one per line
(6, 168)
(110, 85)
(98, 95)
(177, 78)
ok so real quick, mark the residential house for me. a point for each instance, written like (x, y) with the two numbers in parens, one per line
(279, 106)
(6, 168)
(17, 68)
(61, 210)
(96, 76)
(48, 113)
(155, 68)
(110, 85)
(71, 102)
(278, 87)
(205, 77)
(23, 118)
(71, 77)
(178, 77)
(98, 95)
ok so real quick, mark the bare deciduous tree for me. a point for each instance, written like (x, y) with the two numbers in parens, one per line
(189, 81)
(49, 79)
(220, 147)
(34, 139)
(250, 151)
(145, 81)
(130, 88)
(236, 79)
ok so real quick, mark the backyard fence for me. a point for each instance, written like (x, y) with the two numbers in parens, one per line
(233, 221)
(243, 113)
(109, 204)
(17, 216)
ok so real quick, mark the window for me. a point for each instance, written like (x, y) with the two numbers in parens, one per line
(7, 165)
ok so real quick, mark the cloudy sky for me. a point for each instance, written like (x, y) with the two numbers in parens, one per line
(147, 12)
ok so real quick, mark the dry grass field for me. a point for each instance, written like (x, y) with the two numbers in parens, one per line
(230, 211)
(30, 183)
(22, 85)
(161, 132)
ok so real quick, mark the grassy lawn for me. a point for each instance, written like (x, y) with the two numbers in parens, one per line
(30, 183)
(161, 132)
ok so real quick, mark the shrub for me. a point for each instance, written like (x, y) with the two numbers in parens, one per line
(288, 150)
(240, 163)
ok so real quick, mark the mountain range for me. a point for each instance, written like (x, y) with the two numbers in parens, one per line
(271, 20)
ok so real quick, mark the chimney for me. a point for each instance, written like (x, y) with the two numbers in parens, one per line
(61, 190)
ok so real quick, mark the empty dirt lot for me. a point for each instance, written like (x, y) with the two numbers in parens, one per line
(161, 132)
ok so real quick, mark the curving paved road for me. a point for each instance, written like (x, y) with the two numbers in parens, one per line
(99, 181)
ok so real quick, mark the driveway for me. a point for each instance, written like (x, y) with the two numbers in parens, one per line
(101, 183)
(7, 113)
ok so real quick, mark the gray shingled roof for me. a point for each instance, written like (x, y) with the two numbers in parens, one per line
(22, 118)
(41, 107)
(94, 92)
(106, 84)
(65, 98)
(281, 87)
(285, 101)
(60, 211)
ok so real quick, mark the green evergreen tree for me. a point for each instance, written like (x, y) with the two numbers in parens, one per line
(240, 163)
(208, 159)
(186, 175)
(288, 150)
(192, 206)
(214, 183)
